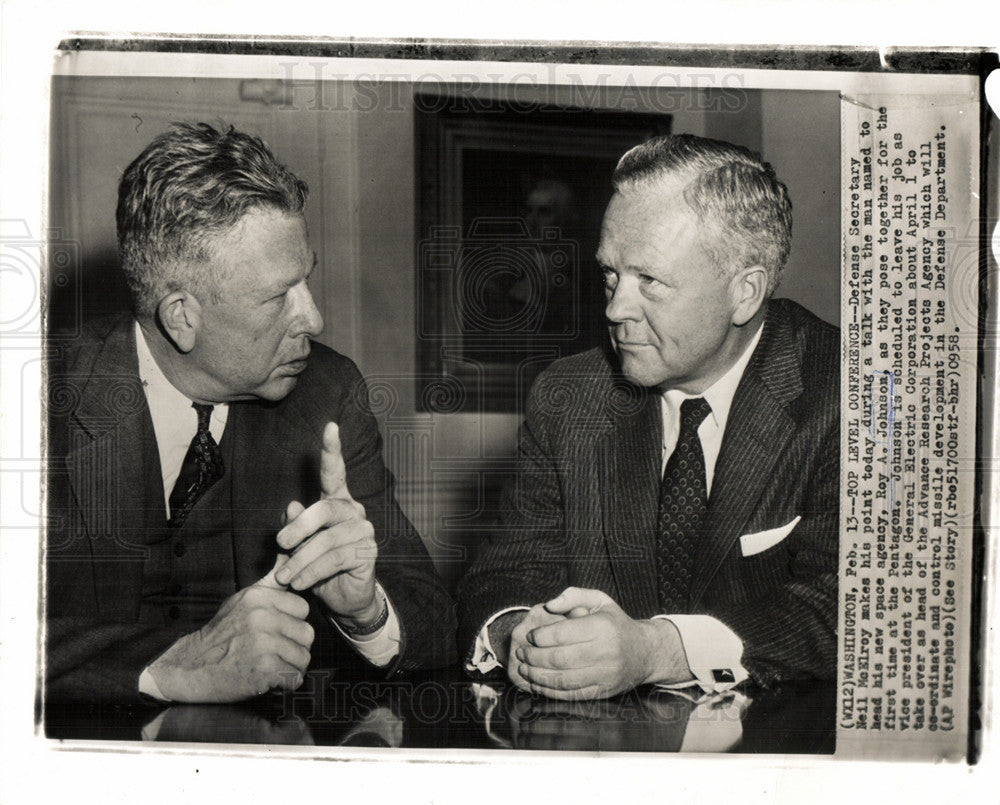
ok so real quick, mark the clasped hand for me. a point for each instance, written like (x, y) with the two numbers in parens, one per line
(582, 645)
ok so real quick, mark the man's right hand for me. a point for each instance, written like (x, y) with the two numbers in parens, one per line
(258, 640)
(537, 616)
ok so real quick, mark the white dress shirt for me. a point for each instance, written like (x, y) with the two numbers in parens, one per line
(709, 645)
(175, 422)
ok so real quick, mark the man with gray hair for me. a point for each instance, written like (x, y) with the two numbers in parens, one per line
(220, 516)
(675, 514)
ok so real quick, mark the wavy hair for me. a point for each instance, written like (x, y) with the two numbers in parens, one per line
(190, 185)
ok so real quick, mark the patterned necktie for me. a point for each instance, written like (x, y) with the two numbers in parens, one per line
(683, 502)
(202, 467)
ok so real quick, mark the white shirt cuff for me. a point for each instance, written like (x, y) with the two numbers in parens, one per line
(484, 658)
(379, 647)
(713, 652)
(148, 686)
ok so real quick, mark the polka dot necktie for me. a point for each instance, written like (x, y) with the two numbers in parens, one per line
(202, 467)
(683, 502)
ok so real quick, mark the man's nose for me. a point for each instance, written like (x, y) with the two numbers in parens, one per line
(307, 318)
(623, 304)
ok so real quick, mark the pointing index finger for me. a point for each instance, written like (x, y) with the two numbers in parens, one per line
(332, 472)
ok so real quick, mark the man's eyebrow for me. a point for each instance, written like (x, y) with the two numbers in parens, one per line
(275, 289)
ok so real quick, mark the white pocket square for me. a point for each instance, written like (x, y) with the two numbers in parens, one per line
(751, 544)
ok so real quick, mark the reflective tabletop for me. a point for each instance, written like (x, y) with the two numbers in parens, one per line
(445, 710)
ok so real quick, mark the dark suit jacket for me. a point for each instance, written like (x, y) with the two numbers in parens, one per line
(105, 494)
(583, 509)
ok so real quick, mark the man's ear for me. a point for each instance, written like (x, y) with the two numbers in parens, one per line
(749, 289)
(180, 316)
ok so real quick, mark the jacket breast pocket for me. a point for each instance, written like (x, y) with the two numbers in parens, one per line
(765, 558)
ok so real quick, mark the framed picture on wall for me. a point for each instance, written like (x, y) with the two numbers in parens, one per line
(509, 208)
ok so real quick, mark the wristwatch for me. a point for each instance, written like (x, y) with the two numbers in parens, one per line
(369, 628)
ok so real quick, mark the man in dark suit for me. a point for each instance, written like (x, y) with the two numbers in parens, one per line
(183, 437)
(675, 515)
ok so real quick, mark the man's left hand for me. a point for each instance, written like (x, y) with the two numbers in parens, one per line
(598, 651)
(332, 543)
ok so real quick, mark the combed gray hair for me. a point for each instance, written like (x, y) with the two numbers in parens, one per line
(743, 206)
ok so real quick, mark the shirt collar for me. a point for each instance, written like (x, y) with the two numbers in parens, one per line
(169, 408)
(720, 394)
(160, 392)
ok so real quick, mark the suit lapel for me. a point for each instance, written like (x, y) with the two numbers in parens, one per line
(109, 463)
(757, 430)
(630, 458)
(264, 458)
(114, 469)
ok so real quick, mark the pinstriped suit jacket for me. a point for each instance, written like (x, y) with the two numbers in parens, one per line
(583, 509)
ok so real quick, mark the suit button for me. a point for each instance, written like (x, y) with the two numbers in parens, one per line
(174, 612)
(179, 549)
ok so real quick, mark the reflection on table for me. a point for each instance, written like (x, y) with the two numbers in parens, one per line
(659, 721)
(445, 710)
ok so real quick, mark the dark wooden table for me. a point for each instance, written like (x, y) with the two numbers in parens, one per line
(444, 710)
